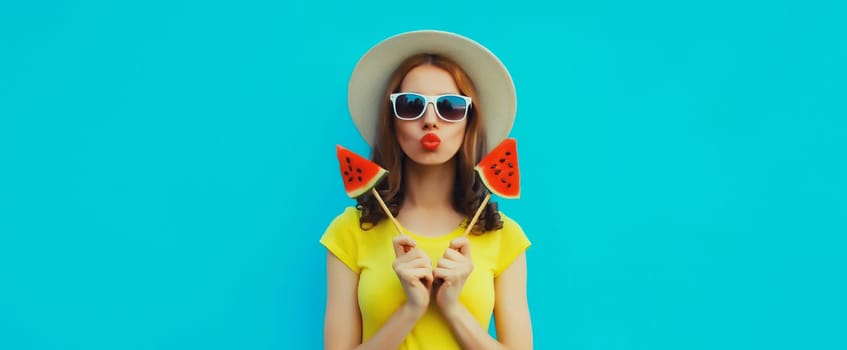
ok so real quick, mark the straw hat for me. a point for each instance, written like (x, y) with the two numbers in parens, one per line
(494, 86)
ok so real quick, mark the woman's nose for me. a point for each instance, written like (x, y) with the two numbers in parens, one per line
(430, 119)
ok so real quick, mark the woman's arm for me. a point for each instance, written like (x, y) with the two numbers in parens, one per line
(511, 309)
(343, 322)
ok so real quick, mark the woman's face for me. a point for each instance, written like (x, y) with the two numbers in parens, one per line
(430, 140)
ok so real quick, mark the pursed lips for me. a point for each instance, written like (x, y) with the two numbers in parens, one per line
(430, 141)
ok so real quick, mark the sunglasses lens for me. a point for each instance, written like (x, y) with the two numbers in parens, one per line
(452, 107)
(409, 105)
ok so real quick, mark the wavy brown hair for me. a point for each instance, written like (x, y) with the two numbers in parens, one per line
(468, 190)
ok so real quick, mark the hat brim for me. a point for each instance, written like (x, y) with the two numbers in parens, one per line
(493, 83)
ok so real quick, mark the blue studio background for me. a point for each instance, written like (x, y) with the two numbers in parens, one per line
(166, 168)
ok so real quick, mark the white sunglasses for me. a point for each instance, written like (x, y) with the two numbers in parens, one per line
(449, 107)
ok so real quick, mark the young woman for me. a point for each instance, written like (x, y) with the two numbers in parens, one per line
(431, 104)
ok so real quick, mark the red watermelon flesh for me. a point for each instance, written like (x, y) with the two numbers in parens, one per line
(358, 173)
(499, 170)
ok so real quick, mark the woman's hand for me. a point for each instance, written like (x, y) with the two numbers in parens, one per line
(414, 269)
(451, 273)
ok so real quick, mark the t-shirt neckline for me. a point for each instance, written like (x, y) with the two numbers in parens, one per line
(458, 231)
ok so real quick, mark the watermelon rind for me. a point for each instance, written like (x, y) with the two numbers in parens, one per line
(369, 185)
(491, 188)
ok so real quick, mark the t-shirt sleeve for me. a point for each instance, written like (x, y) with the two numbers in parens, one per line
(340, 238)
(513, 242)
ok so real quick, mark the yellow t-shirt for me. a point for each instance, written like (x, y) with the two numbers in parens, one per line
(370, 254)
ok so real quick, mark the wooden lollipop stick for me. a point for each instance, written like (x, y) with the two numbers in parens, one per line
(476, 215)
(387, 212)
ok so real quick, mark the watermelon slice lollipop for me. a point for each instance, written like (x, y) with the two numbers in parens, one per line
(500, 174)
(499, 170)
(360, 176)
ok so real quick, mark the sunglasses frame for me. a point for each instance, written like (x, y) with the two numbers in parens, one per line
(427, 100)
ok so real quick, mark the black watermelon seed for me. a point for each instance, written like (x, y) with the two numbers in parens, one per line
(508, 153)
(510, 165)
(350, 179)
(502, 160)
(493, 166)
(497, 172)
(346, 173)
(348, 159)
(350, 167)
(359, 170)
(509, 186)
(502, 180)
(511, 173)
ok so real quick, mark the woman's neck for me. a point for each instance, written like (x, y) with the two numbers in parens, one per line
(429, 187)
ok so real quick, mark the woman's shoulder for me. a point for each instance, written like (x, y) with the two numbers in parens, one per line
(509, 224)
(340, 237)
(511, 232)
(349, 216)
(511, 241)
(343, 229)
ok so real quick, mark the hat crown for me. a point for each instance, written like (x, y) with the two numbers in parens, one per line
(493, 83)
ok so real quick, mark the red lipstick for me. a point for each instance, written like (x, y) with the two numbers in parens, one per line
(430, 142)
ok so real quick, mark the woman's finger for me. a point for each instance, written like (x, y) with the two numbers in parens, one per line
(417, 274)
(411, 255)
(422, 262)
(454, 255)
(447, 263)
(402, 244)
(415, 263)
(428, 278)
(462, 245)
(444, 274)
